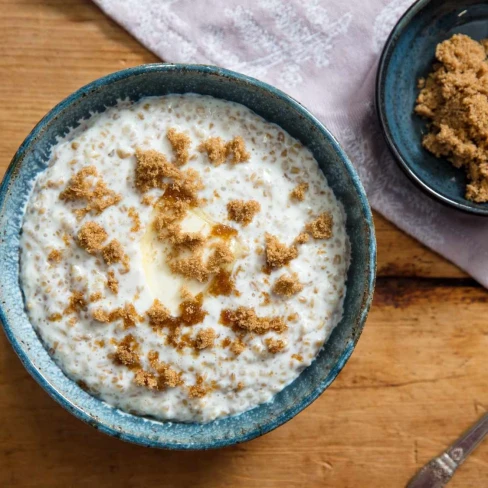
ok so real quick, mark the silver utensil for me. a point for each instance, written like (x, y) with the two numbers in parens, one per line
(439, 471)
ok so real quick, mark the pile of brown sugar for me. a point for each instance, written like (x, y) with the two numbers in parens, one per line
(454, 98)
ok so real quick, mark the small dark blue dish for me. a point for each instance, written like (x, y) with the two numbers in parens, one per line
(272, 104)
(407, 56)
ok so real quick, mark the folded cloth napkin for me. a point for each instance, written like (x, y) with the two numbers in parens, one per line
(325, 54)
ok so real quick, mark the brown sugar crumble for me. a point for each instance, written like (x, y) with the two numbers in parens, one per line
(180, 143)
(91, 237)
(55, 256)
(198, 390)
(54, 317)
(237, 346)
(167, 376)
(172, 207)
(113, 252)
(126, 264)
(191, 267)
(220, 256)
(158, 314)
(278, 254)
(146, 379)
(175, 338)
(97, 195)
(245, 318)
(95, 297)
(76, 303)
(101, 315)
(236, 149)
(242, 211)
(218, 151)
(191, 313)
(126, 352)
(205, 338)
(454, 99)
(215, 149)
(298, 193)
(185, 188)
(128, 314)
(225, 342)
(275, 346)
(302, 238)
(173, 233)
(112, 282)
(287, 285)
(151, 168)
(321, 227)
(136, 220)
(147, 200)
(266, 299)
(185, 293)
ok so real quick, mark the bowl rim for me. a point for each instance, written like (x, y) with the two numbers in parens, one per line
(83, 414)
(402, 162)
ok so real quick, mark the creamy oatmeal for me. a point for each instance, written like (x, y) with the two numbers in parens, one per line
(183, 258)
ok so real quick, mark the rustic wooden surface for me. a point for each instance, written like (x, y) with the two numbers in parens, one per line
(415, 382)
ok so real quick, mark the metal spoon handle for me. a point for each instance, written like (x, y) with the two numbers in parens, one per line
(439, 471)
(463, 447)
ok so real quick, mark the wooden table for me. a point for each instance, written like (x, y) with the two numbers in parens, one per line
(416, 380)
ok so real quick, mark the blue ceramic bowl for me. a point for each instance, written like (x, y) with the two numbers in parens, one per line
(273, 105)
(408, 55)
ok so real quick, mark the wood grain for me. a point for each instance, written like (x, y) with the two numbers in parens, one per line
(416, 380)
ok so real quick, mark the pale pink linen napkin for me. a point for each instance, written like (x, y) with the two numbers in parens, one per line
(325, 54)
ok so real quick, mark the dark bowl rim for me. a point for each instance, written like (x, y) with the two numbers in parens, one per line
(402, 162)
(367, 295)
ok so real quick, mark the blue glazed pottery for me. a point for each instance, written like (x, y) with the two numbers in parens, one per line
(273, 105)
(408, 55)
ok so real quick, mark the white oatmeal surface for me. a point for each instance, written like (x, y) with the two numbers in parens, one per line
(84, 348)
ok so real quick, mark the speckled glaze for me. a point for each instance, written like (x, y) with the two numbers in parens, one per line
(407, 56)
(273, 105)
